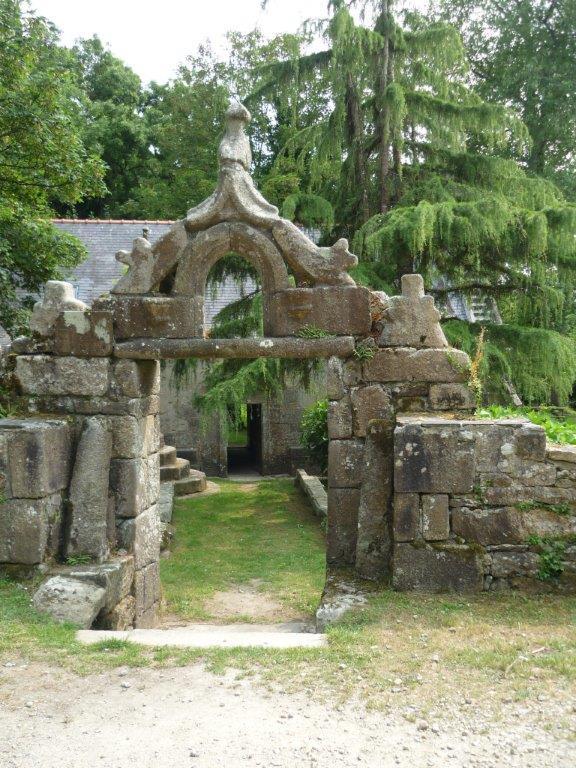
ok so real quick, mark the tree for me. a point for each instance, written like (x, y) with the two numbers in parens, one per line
(523, 53)
(43, 160)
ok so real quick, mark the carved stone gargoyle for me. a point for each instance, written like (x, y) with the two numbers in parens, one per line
(140, 261)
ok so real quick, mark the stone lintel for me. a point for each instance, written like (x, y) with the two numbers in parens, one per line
(153, 349)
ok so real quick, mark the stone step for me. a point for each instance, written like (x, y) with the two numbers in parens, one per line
(195, 483)
(177, 471)
(167, 455)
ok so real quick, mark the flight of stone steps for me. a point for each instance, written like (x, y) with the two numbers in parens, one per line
(178, 471)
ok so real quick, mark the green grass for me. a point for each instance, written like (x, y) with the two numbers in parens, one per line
(262, 532)
(491, 646)
(559, 423)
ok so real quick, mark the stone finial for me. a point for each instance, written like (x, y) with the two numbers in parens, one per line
(140, 260)
(412, 320)
(58, 297)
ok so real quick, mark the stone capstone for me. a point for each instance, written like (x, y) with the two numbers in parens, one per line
(58, 297)
(412, 320)
(403, 365)
(339, 310)
(69, 600)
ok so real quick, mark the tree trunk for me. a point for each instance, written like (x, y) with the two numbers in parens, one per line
(356, 143)
(383, 123)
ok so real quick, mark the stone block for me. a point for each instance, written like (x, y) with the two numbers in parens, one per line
(44, 375)
(84, 334)
(374, 540)
(30, 529)
(435, 517)
(530, 442)
(406, 520)
(135, 378)
(135, 483)
(488, 526)
(565, 453)
(146, 588)
(340, 419)
(69, 600)
(335, 388)
(345, 463)
(88, 496)
(507, 564)
(412, 320)
(115, 577)
(134, 437)
(121, 617)
(451, 397)
(168, 317)
(148, 619)
(35, 457)
(368, 403)
(403, 364)
(433, 458)
(141, 535)
(342, 310)
(166, 502)
(440, 568)
(342, 527)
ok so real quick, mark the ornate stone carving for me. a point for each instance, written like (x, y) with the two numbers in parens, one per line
(412, 320)
(139, 261)
(58, 297)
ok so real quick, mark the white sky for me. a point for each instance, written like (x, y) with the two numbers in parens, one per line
(153, 38)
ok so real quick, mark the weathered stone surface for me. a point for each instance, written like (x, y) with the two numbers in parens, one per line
(115, 577)
(147, 588)
(36, 456)
(406, 516)
(433, 459)
(435, 517)
(368, 403)
(169, 317)
(508, 496)
(141, 535)
(530, 442)
(135, 483)
(314, 491)
(488, 526)
(134, 437)
(84, 334)
(135, 378)
(121, 617)
(88, 496)
(401, 364)
(148, 618)
(43, 375)
(345, 463)
(412, 320)
(374, 540)
(506, 564)
(340, 310)
(565, 453)
(69, 600)
(166, 502)
(340, 419)
(342, 529)
(451, 397)
(140, 261)
(30, 529)
(335, 389)
(442, 568)
(58, 297)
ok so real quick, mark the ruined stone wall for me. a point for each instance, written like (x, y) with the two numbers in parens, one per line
(482, 505)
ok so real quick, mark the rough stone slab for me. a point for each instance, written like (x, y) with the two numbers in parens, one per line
(84, 334)
(30, 529)
(134, 437)
(315, 492)
(120, 618)
(340, 419)
(135, 483)
(207, 636)
(44, 375)
(345, 463)
(92, 406)
(36, 457)
(335, 388)
(115, 577)
(146, 588)
(443, 568)
(168, 348)
(434, 459)
(340, 310)
(451, 397)
(88, 496)
(368, 403)
(530, 442)
(406, 516)
(135, 378)
(342, 529)
(141, 535)
(435, 517)
(403, 364)
(166, 317)
(565, 453)
(166, 502)
(507, 564)
(489, 526)
(69, 600)
(374, 539)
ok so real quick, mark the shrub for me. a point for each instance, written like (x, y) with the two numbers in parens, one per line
(314, 433)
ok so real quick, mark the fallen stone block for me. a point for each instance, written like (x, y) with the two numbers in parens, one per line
(69, 600)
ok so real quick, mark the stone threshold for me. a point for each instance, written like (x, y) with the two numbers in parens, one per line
(170, 349)
(208, 636)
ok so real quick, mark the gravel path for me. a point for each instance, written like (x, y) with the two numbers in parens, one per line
(188, 718)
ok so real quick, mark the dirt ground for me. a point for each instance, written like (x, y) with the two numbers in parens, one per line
(189, 718)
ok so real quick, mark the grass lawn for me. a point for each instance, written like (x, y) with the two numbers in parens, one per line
(400, 649)
(261, 534)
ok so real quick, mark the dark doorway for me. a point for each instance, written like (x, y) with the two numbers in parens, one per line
(245, 445)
